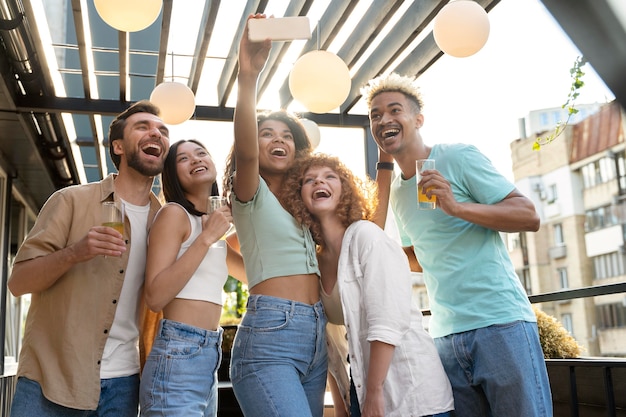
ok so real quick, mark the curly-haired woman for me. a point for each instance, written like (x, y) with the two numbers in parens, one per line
(366, 286)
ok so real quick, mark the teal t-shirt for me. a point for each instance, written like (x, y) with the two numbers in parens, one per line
(469, 275)
(272, 242)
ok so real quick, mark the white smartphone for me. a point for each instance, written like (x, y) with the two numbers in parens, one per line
(279, 28)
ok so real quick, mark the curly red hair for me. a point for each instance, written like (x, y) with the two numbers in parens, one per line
(358, 198)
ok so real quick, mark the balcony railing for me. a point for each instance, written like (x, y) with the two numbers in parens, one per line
(583, 387)
(586, 387)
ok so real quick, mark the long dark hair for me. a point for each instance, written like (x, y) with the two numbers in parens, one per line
(172, 189)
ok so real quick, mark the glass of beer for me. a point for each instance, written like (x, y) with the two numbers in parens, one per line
(214, 202)
(113, 216)
(423, 202)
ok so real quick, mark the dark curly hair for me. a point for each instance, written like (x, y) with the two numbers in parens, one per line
(300, 138)
(358, 197)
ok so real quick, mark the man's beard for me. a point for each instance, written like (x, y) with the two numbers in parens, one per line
(135, 163)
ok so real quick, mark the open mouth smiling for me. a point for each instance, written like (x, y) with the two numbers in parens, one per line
(389, 133)
(320, 194)
(278, 152)
(152, 149)
(198, 169)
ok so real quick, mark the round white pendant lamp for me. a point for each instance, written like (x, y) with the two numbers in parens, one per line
(461, 28)
(175, 100)
(129, 15)
(312, 131)
(320, 80)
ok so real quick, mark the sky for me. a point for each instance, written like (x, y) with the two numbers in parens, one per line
(524, 66)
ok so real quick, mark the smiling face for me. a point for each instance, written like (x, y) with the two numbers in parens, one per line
(194, 166)
(145, 144)
(321, 190)
(276, 146)
(395, 121)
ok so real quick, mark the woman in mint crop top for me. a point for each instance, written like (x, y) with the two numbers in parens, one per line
(184, 280)
(279, 357)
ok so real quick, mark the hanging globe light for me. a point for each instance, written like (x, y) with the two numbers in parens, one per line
(320, 80)
(461, 28)
(175, 100)
(312, 131)
(129, 15)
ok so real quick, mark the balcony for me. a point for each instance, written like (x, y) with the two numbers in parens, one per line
(558, 252)
(582, 387)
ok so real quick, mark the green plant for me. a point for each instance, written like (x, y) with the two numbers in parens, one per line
(576, 74)
(235, 301)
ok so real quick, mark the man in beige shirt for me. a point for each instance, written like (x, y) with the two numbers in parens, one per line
(80, 349)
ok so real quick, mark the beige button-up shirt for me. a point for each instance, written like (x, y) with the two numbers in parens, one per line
(68, 324)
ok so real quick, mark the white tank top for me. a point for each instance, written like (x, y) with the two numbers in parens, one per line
(207, 282)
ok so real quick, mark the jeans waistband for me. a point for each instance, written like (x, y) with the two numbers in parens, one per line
(204, 337)
(259, 302)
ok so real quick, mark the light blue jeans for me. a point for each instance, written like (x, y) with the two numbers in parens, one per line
(180, 374)
(497, 371)
(118, 398)
(279, 358)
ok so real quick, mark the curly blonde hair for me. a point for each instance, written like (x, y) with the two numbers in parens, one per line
(393, 82)
(358, 198)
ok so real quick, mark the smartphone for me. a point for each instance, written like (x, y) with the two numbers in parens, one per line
(279, 28)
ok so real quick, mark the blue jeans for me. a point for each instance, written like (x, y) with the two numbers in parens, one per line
(119, 397)
(279, 358)
(497, 371)
(180, 374)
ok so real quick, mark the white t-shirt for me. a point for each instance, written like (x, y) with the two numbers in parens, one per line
(121, 352)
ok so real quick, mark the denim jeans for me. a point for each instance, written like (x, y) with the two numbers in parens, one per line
(119, 397)
(180, 374)
(279, 358)
(497, 371)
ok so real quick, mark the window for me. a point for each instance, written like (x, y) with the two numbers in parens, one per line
(602, 217)
(608, 265)
(621, 171)
(611, 315)
(552, 193)
(598, 172)
(566, 321)
(558, 235)
(563, 280)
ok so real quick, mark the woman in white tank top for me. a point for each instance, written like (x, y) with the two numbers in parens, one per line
(184, 280)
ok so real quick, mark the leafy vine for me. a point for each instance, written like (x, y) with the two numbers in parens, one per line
(576, 74)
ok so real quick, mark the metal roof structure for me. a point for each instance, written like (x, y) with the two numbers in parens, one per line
(64, 73)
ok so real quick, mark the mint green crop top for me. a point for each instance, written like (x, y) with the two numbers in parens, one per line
(272, 242)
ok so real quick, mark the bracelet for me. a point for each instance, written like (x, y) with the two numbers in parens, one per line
(384, 165)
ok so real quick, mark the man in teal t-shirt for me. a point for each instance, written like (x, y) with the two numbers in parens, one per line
(482, 322)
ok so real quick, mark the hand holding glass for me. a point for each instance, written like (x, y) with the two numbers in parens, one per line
(423, 202)
(214, 202)
(112, 216)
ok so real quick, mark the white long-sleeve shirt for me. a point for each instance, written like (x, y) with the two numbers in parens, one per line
(375, 287)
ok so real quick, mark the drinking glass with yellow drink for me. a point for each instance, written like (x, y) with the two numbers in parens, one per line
(113, 216)
(213, 204)
(423, 202)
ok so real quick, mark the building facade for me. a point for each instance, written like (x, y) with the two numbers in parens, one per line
(578, 185)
